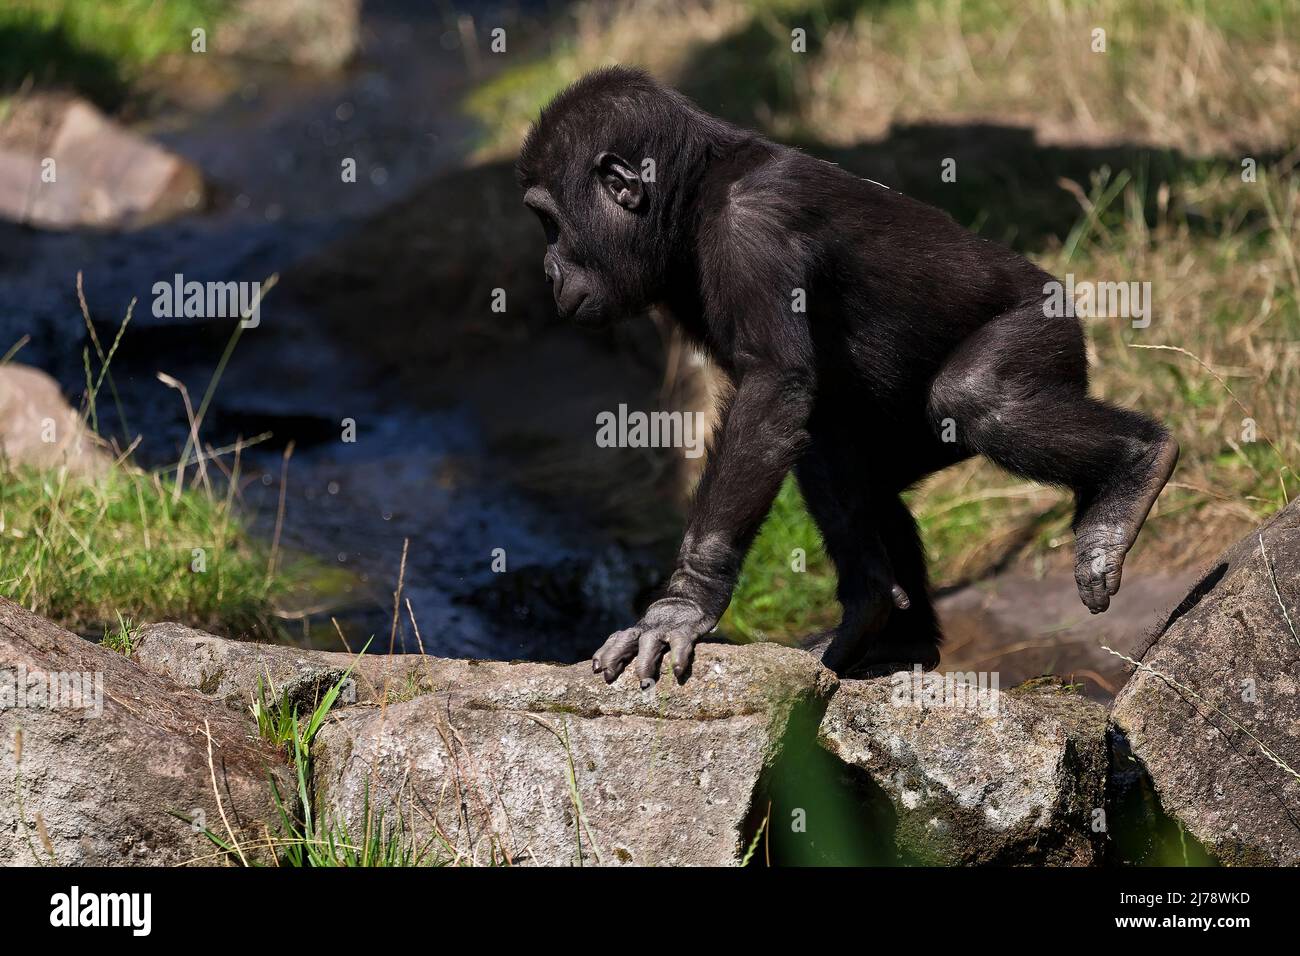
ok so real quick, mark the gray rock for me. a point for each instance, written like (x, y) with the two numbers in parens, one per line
(319, 33)
(541, 764)
(1214, 710)
(95, 779)
(1011, 779)
(104, 176)
(236, 672)
(38, 428)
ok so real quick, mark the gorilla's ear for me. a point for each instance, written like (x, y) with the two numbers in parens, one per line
(620, 180)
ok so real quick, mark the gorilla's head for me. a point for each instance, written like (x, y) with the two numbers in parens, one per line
(604, 169)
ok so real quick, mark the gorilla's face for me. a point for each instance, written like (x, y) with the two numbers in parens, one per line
(593, 274)
(575, 282)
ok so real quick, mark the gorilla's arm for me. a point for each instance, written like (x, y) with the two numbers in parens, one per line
(762, 436)
(750, 269)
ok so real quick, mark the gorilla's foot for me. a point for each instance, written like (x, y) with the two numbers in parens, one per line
(831, 647)
(1106, 529)
(870, 654)
(886, 656)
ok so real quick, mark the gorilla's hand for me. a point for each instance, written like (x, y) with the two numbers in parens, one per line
(672, 622)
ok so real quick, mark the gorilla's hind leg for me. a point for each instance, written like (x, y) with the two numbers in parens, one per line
(1017, 392)
(910, 636)
(882, 587)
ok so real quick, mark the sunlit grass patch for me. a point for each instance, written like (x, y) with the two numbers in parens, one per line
(772, 599)
(1182, 73)
(96, 47)
(592, 35)
(128, 546)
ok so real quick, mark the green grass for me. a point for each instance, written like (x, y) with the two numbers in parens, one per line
(912, 56)
(305, 839)
(97, 47)
(121, 637)
(1244, 19)
(128, 545)
(125, 546)
(772, 599)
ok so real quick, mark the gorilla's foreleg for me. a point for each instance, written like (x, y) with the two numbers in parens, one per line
(762, 434)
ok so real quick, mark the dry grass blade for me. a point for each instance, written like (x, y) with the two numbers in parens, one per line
(1272, 577)
(1268, 751)
(216, 793)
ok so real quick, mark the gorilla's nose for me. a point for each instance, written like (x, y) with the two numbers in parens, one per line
(552, 270)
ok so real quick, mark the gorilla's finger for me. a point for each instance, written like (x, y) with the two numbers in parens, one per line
(1093, 593)
(616, 653)
(1090, 573)
(683, 645)
(653, 648)
(901, 600)
(1111, 580)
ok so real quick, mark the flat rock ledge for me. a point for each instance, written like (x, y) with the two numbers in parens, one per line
(545, 764)
(531, 763)
(527, 763)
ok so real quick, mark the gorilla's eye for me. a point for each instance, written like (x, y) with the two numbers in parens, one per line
(549, 226)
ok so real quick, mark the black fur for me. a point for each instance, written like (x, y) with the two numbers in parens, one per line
(912, 324)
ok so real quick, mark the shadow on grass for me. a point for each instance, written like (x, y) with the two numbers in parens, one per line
(1009, 186)
(49, 57)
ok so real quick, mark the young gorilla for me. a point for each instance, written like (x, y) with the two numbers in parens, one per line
(921, 345)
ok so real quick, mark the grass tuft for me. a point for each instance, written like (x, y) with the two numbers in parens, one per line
(122, 637)
(97, 47)
(89, 554)
(306, 840)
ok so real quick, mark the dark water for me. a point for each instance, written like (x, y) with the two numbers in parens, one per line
(272, 147)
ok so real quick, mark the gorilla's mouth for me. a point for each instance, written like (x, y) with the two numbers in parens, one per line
(572, 312)
(593, 318)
